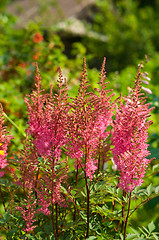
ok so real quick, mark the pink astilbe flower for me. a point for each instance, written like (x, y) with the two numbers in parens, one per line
(90, 167)
(47, 127)
(28, 167)
(43, 200)
(4, 141)
(42, 182)
(28, 211)
(91, 115)
(30, 182)
(35, 107)
(129, 137)
(144, 76)
(47, 118)
(103, 106)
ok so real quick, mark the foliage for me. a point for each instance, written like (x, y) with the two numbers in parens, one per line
(130, 28)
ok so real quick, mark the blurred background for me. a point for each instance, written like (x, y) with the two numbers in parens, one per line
(59, 33)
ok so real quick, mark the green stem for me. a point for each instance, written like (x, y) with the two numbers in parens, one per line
(15, 125)
(99, 158)
(126, 221)
(123, 211)
(74, 214)
(88, 193)
(52, 219)
(56, 218)
(53, 204)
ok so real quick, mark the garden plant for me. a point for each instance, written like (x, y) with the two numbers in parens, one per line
(81, 172)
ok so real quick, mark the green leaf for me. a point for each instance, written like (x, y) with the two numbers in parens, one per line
(64, 190)
(155, 167)
(157, 189)
(155, 236)
(30, 237)
(83, 193)
(131, 236)
(149, 189)
(83, 215)
(6, 216)
(121, 236)
(135, 231)
(142, 231)
(151, 226)
(146, 230)
(91, 238)
(73, 192)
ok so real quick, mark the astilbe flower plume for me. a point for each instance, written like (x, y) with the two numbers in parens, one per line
(4, 141)
(41, 187)
(28, 180)
(47, 118)
(91, 115)
(47, 127)
(28, 211)
(104, 111)
(129, 137)
(35, 106)
(88, 120)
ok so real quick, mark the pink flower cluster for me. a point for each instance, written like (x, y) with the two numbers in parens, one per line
(4, 141)
(91, 115)
(47, 120)
(28, 212)
(47, 127)
(129, 138)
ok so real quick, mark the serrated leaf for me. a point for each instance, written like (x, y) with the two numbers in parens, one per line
(131, 236)
(151, 226)
(149, 189)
